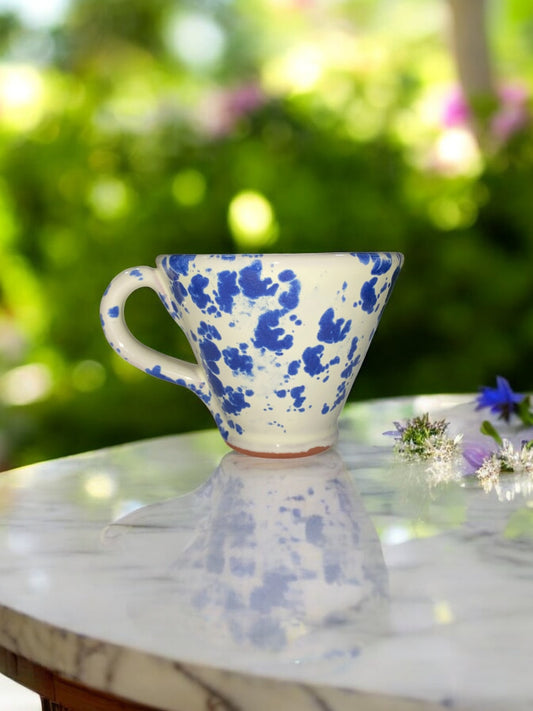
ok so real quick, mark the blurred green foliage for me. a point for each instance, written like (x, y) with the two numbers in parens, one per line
(134, 128)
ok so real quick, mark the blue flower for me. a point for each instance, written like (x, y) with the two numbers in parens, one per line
(501, 400)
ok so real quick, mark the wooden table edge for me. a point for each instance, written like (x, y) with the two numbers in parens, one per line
(58, 693)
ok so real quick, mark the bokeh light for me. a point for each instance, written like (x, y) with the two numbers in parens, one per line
(456, 152)
(26, 384)
(252, 221)
(99, 485)
(88, 375)
(196, 39)
(22, 97)
(188, 187)
(110, 198)
(37, 14)
(297, 71)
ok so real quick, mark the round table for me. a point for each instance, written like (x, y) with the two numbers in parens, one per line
(173, 575)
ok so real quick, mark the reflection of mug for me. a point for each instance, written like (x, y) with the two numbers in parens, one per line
(286, 558)
(266, 556)
(279, 338)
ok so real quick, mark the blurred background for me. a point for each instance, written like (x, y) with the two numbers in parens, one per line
(130, 128)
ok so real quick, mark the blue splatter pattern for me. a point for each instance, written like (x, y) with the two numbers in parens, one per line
(279, 338)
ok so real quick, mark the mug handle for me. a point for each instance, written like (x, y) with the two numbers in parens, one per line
(129, 348)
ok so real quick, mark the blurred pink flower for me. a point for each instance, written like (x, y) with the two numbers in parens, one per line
(225, 108)
(456, 111)
(511, 116)
(297, 4)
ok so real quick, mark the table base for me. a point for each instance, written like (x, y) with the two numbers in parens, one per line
(58, 693)
(51, 706)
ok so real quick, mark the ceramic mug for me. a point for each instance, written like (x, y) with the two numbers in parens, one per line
(278, 338)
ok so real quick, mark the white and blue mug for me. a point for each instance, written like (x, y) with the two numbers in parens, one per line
(278, 338)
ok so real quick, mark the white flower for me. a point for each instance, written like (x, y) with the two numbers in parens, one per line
(422, 438)
(507, 459)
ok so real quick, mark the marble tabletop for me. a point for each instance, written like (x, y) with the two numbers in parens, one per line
(177, 574)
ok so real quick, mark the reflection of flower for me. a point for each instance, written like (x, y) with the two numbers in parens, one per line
(501, 400)
(507, 488)
(511, 115)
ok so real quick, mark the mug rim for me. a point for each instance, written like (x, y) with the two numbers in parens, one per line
(274, 255)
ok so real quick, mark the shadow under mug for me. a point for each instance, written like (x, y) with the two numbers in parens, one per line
(279, 338)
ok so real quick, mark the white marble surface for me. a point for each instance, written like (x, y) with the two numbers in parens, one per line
(172, 573)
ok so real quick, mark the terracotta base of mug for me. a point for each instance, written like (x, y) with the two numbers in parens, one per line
(280, 455)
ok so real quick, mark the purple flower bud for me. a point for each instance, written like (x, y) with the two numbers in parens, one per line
(475, 455)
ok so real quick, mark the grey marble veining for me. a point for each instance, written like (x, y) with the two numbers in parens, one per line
(176, 574)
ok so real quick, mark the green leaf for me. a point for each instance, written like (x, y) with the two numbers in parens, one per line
(524, 411)
(487, 428)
